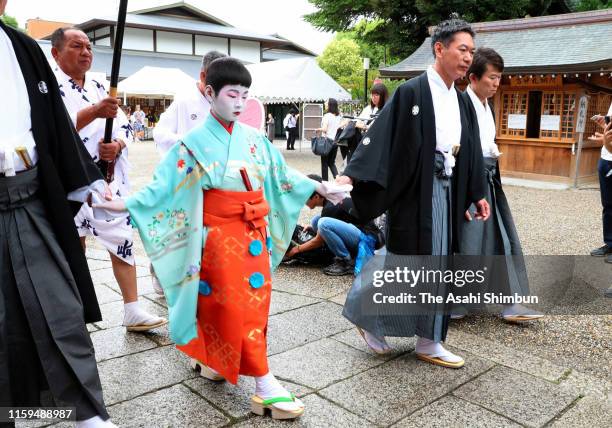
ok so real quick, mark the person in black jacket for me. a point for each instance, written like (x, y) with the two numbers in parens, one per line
(421, 162)
(498, 236)
(46, 291)
(338, 228)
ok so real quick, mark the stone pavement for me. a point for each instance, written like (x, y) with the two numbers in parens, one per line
(320, 357)
(512, 377)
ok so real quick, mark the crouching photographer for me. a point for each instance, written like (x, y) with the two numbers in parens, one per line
(338, 228)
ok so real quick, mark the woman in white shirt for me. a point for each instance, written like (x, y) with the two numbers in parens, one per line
(329, 127)
(378, 97)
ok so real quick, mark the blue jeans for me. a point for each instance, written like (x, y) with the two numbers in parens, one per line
(605, 186)
(342, 238)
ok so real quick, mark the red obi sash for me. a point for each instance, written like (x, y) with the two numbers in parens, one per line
(222, 207)
(235, 286)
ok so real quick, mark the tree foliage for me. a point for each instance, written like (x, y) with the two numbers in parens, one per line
(387, 31)
(400, 26)
(341, 59)
(10, 21)
(584, 5)
(361, 33)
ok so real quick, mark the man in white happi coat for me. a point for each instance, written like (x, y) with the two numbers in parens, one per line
(188, 110)
(89, 106)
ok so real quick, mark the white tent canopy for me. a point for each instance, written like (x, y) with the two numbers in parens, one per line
(155, 82)
(293, 80)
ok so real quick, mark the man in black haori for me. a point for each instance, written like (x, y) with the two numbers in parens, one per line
(496, 240)
(46, 292)
(406, 166)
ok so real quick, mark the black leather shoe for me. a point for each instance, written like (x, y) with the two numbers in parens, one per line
(339, 267)
(601, 251)
(609, 258)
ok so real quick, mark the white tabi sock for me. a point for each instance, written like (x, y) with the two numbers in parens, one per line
(510, 310)
(435, 349)
(134, 315)
(378, 344)
(267, 387)
(519, 310)
(95, 422)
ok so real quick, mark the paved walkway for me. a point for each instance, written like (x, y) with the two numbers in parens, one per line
(320, 357)
(554, 373)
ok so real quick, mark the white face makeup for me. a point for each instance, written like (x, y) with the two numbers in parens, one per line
(229, 102)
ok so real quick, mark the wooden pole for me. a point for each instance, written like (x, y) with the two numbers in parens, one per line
(108, 168)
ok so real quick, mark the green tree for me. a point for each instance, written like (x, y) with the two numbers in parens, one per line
(584, 5)
(400, 26)
(393, 21)
(341, 59)
(10, 21)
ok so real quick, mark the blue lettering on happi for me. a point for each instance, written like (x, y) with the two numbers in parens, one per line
(125, 250)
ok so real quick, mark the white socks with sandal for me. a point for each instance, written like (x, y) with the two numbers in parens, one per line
(267, 387)
(134, 315)
(435, 350)
(378, 344)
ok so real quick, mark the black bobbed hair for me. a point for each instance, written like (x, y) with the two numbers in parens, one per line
(227, 71)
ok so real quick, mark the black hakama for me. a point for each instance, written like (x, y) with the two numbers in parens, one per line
(387, 320)
(396, 170)
(496, 237)
(47, 357)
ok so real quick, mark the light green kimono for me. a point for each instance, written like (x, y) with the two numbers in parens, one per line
(169, 211)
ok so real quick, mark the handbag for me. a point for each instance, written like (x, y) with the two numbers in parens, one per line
(321, 146)
(339, 142)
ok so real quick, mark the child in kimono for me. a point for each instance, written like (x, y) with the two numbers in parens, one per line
(215, 221)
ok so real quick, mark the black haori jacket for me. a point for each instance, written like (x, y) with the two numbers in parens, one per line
(393, 169)
(64, 164)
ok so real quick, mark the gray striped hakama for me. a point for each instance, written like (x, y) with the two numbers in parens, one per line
(496, 237)
(46, 355)
(432, 325)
